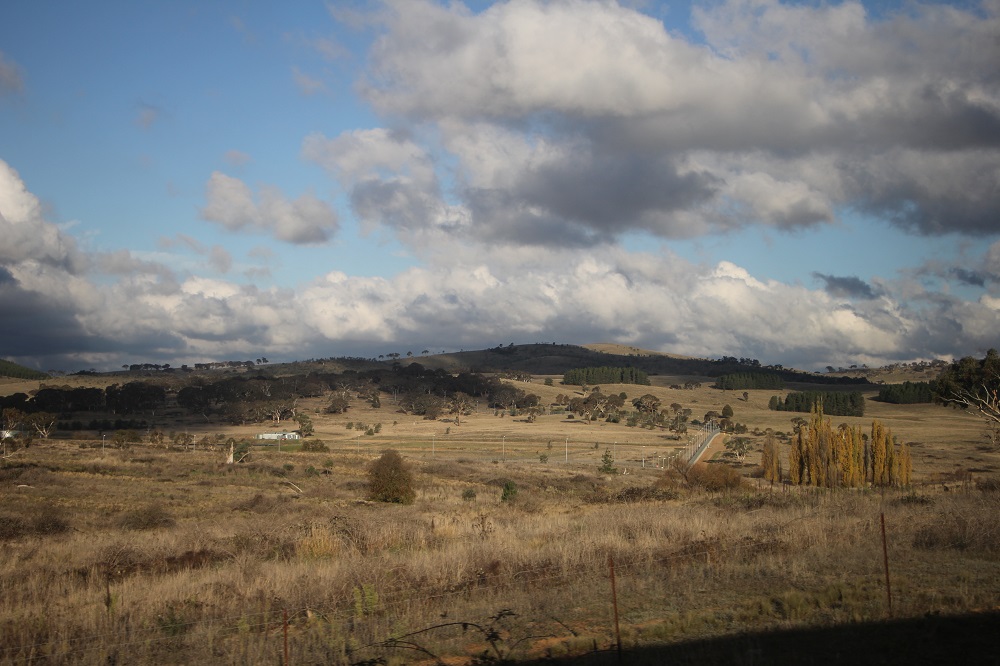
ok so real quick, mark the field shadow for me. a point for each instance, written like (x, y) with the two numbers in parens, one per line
(933, 639)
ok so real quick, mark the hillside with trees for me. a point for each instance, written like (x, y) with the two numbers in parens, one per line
(11, 369)
(557, 359)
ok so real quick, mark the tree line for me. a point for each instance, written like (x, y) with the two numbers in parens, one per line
(907, 393)
(605, 375)
(129, 398)
(749, 380)
(11, 369)
(837, 403)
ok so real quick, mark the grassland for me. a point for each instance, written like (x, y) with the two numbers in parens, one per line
(160, 555)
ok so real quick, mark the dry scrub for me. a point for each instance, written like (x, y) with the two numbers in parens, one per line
(174, 557)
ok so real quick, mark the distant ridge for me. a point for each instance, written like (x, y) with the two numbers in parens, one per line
(556, 359)
(11, 369)
(549, 358)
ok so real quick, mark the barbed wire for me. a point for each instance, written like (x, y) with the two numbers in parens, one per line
(390, 599)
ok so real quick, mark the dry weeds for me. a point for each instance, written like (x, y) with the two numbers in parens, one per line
(173, 557)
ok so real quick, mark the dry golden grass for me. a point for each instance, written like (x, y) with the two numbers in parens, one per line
(173, 557)
(155, 555)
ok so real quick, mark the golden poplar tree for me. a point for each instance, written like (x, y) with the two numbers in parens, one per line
(857, 453)
(843, 455)
(905, 463)
(891, 471)
(770, 462)
(883, 466)
(796, 461)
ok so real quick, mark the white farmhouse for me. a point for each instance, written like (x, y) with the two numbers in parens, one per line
(278, 435)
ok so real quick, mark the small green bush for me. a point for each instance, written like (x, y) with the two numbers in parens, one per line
(315, 446)
(509, 492)
(607, 463)
(469, 494)
(390, 480)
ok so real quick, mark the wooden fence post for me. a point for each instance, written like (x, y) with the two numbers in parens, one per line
(614, 603)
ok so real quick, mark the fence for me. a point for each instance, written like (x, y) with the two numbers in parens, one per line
(290, 635)
(694, 452)
(568, 452)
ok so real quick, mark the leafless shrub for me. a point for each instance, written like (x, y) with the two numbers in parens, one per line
(977, 531)
(257, 504)
(148, 517)
(633, 495)
(756, 501)
(49, 521)
(12, 527)
(714, 477)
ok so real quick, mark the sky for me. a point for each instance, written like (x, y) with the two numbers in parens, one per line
(804, 183)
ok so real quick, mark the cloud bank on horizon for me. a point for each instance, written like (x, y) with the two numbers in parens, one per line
(806, 184)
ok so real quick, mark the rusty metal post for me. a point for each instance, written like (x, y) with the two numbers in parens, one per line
(285, 622)
(885, 559)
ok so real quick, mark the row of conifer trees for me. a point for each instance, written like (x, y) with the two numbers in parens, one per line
(844, 457)
(605, 375)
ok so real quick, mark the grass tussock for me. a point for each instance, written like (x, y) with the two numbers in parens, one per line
(42, 522)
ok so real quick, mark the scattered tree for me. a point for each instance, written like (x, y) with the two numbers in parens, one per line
(607, 463)
(738, 447)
